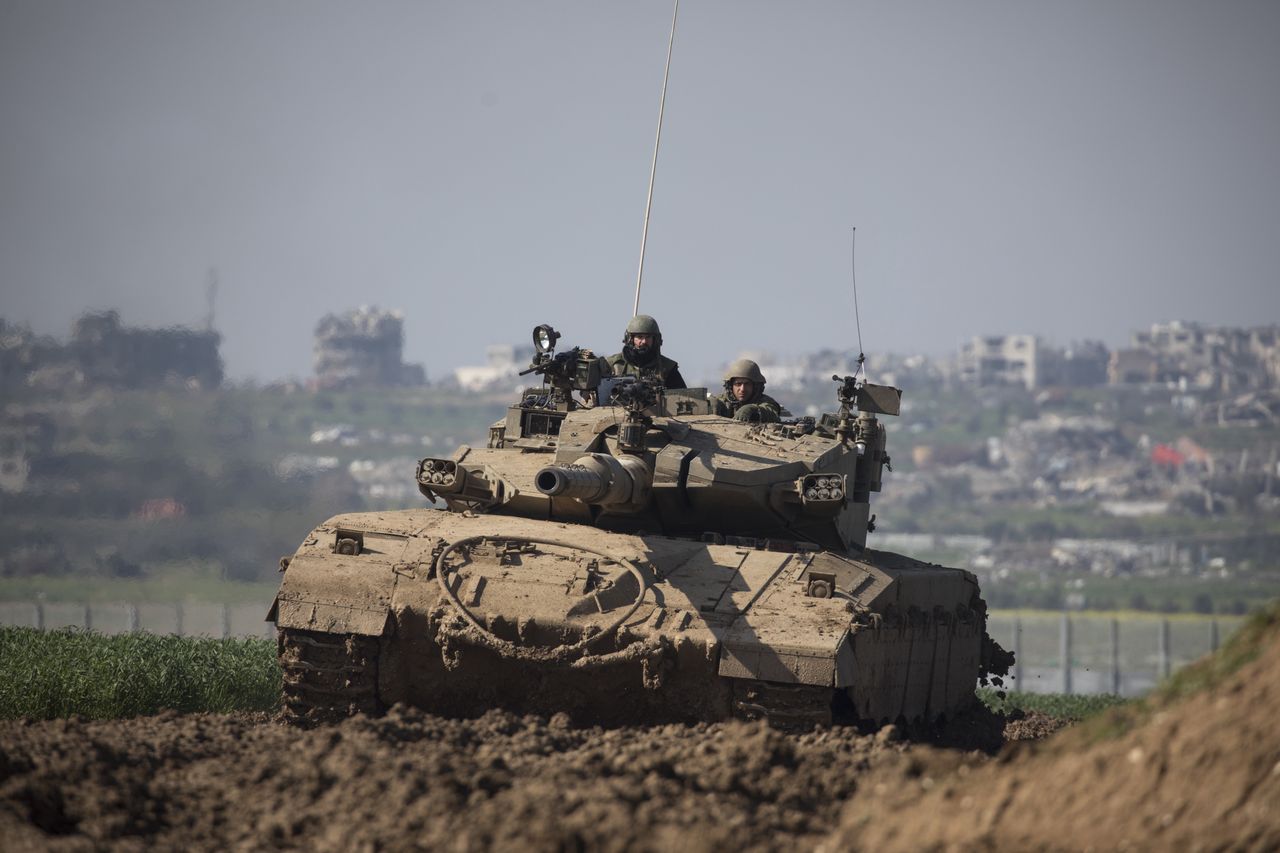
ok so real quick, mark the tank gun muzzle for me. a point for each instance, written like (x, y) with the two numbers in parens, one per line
(613, 483)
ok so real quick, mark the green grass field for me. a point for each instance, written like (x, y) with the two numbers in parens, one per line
(50, 674)
(1052, 704)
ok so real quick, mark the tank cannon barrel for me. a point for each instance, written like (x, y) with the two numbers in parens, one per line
(619, 484)
(571, 481)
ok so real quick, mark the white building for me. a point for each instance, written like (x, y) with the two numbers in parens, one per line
(1002, 360)
(505, 361)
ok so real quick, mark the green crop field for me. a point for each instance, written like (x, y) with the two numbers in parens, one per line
(50, 674)
(1053, 704)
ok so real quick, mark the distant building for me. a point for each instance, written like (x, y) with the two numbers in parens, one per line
(1002, 360)
(1195, 355)
(1028, 361)
(111, 354)
(22, 351)
(1186, 353)
(1264, 346)
(503, 364)
(104, 352)
(24, 436)
(1083, 365)
(1132, 367)
(363, 347)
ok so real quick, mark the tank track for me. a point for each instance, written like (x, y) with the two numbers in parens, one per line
(784, 706)
(327, 677)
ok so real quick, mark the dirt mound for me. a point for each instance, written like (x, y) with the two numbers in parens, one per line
(1200, 772)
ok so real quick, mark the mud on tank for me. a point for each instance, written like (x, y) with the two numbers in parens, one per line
(641, 559)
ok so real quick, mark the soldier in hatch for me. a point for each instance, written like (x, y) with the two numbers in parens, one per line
(642, 356)
(744, 397)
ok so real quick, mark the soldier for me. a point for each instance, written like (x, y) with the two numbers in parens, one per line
(744, 397)
(642, 356)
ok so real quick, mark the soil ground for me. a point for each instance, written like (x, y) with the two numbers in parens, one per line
(1201, 774)
(409, 780)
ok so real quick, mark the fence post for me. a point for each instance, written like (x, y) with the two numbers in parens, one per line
(1213, 635)
(88, 617)
(1017, 652)
(1064, 651)
(1115, 656)
(177, 618)
(133, 618)
(39, 615)
(1164, 649)
(226, 622)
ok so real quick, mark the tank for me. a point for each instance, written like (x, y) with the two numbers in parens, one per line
(635, 557)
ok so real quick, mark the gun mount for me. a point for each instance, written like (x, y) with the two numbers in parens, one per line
(563, 373)
(636, 396)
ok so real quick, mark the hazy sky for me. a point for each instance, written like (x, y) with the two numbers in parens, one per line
(1070, 168)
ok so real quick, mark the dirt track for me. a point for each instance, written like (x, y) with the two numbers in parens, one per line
(1204, 774)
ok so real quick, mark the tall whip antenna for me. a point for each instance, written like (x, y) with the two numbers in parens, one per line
(653, 170)
(853, 274)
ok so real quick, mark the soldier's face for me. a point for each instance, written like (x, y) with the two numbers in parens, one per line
(641, 342)
(742, 389)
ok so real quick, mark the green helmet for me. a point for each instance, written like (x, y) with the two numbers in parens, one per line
(744, 368)
(643, 324)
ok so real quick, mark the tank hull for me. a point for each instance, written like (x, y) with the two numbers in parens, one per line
(457, 613)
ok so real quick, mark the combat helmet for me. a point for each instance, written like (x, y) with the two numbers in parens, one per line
(744, 368)
(643, 324)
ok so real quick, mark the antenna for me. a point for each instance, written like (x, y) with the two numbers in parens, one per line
(210, 297)
(653, 169)
(853, 275)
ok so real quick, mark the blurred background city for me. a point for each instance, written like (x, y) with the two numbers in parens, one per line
(1141, 483)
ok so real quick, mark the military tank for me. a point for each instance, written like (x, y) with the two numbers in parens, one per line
(635, 557)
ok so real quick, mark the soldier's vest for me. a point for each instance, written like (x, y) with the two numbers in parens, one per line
(660, 369)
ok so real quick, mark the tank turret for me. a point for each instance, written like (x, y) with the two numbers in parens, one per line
(657, 460)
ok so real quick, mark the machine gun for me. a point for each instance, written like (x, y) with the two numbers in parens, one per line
(866, 399)
(864, 430)
(635, 395)
(563, 373)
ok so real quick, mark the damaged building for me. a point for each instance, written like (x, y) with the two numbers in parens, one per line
(104, 352)
(1221, 359)
(363, 347)
(1026, 360)
(1192, 356)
